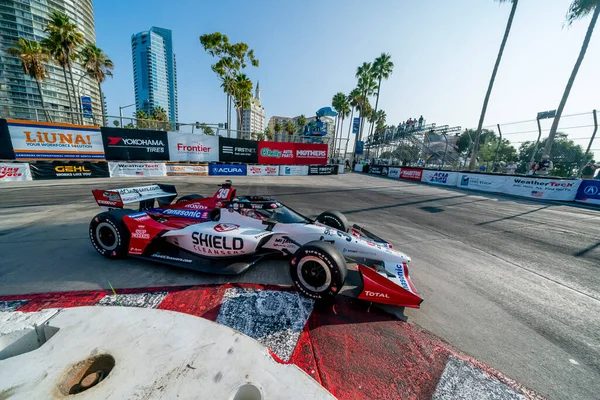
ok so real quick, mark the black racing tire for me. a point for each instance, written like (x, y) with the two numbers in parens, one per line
(109, 234)
(215, 214)
(334, 219)
(318, 270)
(189, 197)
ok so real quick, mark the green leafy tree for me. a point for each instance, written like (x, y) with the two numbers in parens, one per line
(565, 155)
(278, 128)
(129, 126)
(339, 102)
(33, 57)
(382, 69)
(506, 152)
(142, 120)
(301, 123)
(159, 115)
(207, 130)
(116, 123)
(492, 79)
(464, 144)
(269, 134)
(290, 128)
(367, 87)
(98, 66)
(578, 9)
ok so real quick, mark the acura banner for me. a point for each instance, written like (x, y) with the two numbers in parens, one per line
(191, 147)
(69, 170)
(238, 150)
(135, 144)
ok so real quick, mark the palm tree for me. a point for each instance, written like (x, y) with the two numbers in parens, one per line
(62, 43)
(290, 128)
(339, 101)
(367, 87)
(160, 115)
(301, 122)
(353, 103)
(33, 57)
(492, 79)
(207, 130)
(278, 128)
(382, 69)
(268, 134)
(98, 66)
(141, 119)
(116, 123)
(577, 10)
(242, 89)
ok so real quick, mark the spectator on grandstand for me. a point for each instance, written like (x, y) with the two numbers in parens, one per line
(420, 121)
(511, 168)
(589, 170)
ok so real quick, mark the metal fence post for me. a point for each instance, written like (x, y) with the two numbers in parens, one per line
(536, 143)
(595, 115)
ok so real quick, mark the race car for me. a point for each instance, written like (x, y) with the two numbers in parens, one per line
(325, 256)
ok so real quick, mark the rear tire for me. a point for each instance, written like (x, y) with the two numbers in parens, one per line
(318, 270)
(215, 214)
(109, 234)
(334, 219)
(189, 197)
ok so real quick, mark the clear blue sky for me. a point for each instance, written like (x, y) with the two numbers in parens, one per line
(443, 53)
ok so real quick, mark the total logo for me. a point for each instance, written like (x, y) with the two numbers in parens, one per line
(368, 293)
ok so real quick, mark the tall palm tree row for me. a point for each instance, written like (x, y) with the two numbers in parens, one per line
(33, 57)
(98, 66)
(301, 122)
(338, 102)
(492, 79)
(382, 69)
(578, 9)
(242, 93)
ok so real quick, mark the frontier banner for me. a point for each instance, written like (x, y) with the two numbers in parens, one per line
(10, 172)
(238, 150)
(47, 140)
(135, 144)
(69, 170)
(190, 147)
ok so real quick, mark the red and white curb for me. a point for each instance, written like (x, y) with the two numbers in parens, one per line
(354, 352)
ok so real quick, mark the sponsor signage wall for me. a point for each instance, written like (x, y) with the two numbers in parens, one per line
(10, 172)
(122, 169)
(293, 170)
(227, 169)
(69, 170)
(589, 191)
(186, 169)
(322, 170)
(47, 140)
(239, 150)
(549, 189)
(276, 152)
(135, 144)
(311, 153)
(6, 149)
(190, 147)
(486, 183)
(262, 170)
(376, 169)
(394, 172)
(440, 177)
(411, 174)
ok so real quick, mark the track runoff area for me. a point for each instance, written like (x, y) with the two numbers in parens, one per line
(511, 301)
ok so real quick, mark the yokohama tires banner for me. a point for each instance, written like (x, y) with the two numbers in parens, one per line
(309, 153)
(190, 147)
(119, 170)
(135, 144)
(238, 150)
(186, 169)
(69, 170)
(262, 170)
(276, 152)
(10, 172)
(411, 174)
(293, 170)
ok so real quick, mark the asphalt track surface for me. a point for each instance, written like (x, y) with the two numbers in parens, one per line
(514, 283)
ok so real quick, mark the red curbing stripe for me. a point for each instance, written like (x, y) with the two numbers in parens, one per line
(201, 301)
(61, 300)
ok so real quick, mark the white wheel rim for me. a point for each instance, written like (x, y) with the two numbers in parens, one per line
(322, 264)
(102, 225)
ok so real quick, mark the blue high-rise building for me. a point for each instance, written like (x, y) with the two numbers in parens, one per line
(155, 71)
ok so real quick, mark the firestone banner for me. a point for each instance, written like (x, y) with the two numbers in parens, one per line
(262, 170)
(276, 153)
(10, 172)
(123, 170)
(549, 189)
(190, 147)
(311, 153)
(440, 177)
(186, 169)
(47, 140)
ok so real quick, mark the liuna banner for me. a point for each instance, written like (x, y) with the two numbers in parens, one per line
(440, 177)
(293, 170)
(238, 150)
(124, 170)
(48, 140)
(191, 147)
(589, 191)
(549, 189)
(10, 172)
(135, 144)
(485, 183)
(262, 170)
(227, 169)
(187, 169)
(69, 170)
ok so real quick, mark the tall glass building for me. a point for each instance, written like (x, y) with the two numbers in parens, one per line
(19, 96)
(155, 71)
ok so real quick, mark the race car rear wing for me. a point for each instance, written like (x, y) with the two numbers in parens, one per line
(145, 195)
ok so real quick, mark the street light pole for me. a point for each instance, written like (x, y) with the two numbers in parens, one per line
(79, 97)
(121, 108)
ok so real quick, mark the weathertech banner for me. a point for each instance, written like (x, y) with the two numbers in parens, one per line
(10, 172)
(276, 152)
(69, 170)
(263, 170)
(323, 170)
(440, 177)
(186, 169)
(191, 147)
(542, 188)
(310, 153)
(411, 174)
(238, 150)
(124, 170)
(135, 144)
(293, 170)
(47, 140)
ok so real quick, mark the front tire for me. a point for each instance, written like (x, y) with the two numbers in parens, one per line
(318, 270)
(109, 234)
(334, 219)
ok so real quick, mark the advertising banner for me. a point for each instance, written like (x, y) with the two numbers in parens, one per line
(276, 152)
(293, 170)
(341, 168)
(86, 107)
(485, 183)
(394, 172)
(47, 140)
(124, 170)
(10, 172)
(360, 147)
(135, 144)
(322, 170)
(355, 125)
(589, 191)
(440, 177)
(190, 147)
(358, 167)
(378, 170)
(227, 169)
(186, 169)
(549, 189)
(69, 170)
(238, 150)
(6, 149)
(311, 153)
(262, 170)
(411, 174)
